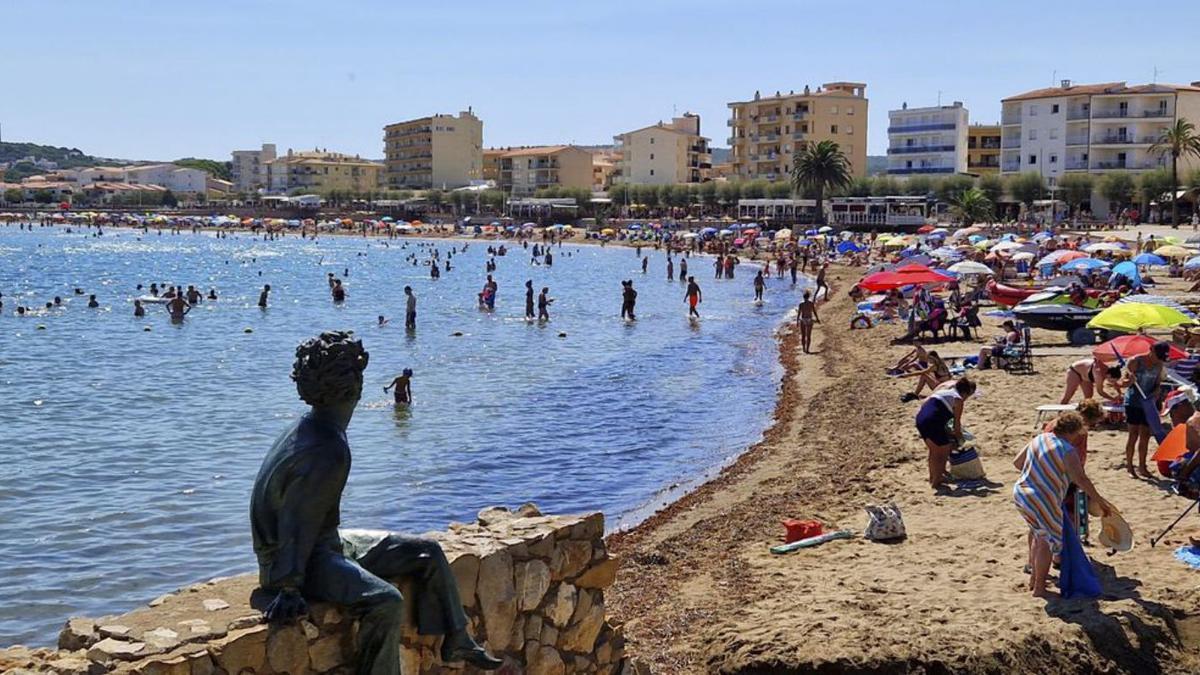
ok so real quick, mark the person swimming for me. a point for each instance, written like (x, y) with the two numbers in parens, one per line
(138, 309)
(212, 294)
(339, 291)
(92, 303)
(403, 386)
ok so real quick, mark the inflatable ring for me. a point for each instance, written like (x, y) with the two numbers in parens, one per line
(860, 321)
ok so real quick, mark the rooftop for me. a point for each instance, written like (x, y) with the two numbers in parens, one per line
(834, 89)
(536, 150)
(1104, 88)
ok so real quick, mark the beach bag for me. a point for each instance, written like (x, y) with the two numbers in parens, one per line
(884, 523)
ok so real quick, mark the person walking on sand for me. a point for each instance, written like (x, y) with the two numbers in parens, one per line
(403, 386)
(410, 309)
(821, 282)
(806, 316)
(543, 303)
(758, 286)
(693, 297)
(529, 298)
(262, 297)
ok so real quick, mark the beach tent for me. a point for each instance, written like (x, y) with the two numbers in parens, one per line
(1129, 271)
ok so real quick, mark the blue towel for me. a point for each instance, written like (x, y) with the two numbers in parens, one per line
(1076, 578)
(1189, 555)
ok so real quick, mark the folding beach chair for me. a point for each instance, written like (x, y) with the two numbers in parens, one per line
(1020, 358)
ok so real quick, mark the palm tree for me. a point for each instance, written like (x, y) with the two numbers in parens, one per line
(1180, 140)
(820, 167)
(971, 206)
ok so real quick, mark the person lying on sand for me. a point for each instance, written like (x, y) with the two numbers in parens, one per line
(931, 376)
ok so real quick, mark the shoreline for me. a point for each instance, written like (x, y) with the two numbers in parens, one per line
(698, 590)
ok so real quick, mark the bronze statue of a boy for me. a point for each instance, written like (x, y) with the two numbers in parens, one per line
(294, 514)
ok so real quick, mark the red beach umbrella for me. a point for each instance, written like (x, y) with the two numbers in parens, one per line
(1129, 346)
(907, 275)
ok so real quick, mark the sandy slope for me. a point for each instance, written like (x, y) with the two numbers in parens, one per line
(700, 592)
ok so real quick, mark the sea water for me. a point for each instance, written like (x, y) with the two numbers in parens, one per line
(129, 454)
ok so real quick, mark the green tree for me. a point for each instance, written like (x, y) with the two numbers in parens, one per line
(884, 186)
(1027, 187)
(971, 206)
(754, 189)
(993, 186)
(708, 194)
(679, 196)
(1178, 140)
(918, 186)
(13, 196)
(1076, 188)
(1194, 179)
(619, 194)
(951, 187)
(779, 190)
(861, 187)
(214, 168)
(819, 168)
(436, 198)
(168, 198)
(43, 196)
(1152, 185)
(1118, 188)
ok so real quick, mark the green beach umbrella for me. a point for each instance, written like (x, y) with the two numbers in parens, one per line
(1134, 316)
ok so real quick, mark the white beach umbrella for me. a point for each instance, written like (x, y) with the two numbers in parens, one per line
(970, 267)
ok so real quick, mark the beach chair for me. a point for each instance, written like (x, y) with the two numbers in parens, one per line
(1020, 358)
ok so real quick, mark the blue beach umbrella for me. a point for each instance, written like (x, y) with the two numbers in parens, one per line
(1129, 271)
(1192, 263)
(1149, 259)
(848, 247)
(1084, 264)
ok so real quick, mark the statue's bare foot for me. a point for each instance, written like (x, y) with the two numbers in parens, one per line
(460, 647)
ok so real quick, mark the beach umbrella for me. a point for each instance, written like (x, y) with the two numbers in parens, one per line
(970, 267)
(1130, 317)
(1005, 246)
(1192, 262)
(1129, 346)
(725, 233)
(708, 230)
(1106, 246)
(925, 229)
(689, 235)
(1149, 259)
(784, 233)
(848, 247)
(1161, 300)
(908, 275)
(974, 238)
(1083, 264)
(945, 252)
(1022, 255)
(824, 229)
(1129, 271)
(1173, 251)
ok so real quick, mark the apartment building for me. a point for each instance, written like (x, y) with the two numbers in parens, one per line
(442, 151)
(931, 140)
(321, 172)
(983, 149)
(526, 170)
(604, 168)
(665, 153)
(767, 131)
(249, 167)
(1092, 128)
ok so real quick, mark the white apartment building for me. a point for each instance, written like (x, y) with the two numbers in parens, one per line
(929, 140)
(664, 154)
(249, 168)
(1092, 128)
(177, 179)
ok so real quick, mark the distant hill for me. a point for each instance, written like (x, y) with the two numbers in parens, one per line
(64, 158)
(876, 164)
(719, 155)
(214, 168)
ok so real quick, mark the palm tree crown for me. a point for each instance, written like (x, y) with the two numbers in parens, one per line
(1178, 140)
(820, 167)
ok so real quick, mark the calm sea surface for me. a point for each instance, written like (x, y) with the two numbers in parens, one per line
(128, 455)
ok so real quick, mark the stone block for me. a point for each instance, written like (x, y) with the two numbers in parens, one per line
(529, 510)
(562, 605)
(242, 649)
(570, 558)
(112, 649)
(583, 605)
(546, 661)
(466, 574)
(494, 515)
(78, 634)
(497, 598)
(327, 653)
(533, 580)
(600, 575)
(533, 626)
(591, 529)
(581, 636)
(287, 650)
(549, 635)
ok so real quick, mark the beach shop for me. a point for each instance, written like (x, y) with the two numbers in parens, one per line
(893, 214)
(778, 211)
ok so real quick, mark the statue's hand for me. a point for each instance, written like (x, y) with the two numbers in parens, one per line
(288, 606)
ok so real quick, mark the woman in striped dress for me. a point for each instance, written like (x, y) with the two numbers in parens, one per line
(1048, 465)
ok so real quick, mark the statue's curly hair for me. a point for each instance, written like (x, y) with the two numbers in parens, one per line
(329, 368)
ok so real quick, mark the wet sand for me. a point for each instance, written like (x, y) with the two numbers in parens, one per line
(699, 591)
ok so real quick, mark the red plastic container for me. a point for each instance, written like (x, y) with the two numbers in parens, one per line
(802, 529)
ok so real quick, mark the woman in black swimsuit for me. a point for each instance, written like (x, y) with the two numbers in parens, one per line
(1083, 374)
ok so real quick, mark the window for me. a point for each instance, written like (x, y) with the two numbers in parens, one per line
(833, 110)
(651, 172)
(1033, 134)
(651, 140)
(849, 129)
(908, 164)
(1033, 110)
(849, 110)
(1053, 134)
(1033, 159)
(833, 128)
(1054, 159)
(1054, 109)
(652, 156)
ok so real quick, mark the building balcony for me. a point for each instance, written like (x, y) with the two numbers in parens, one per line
(770, 118)
(800, 115)
(985, 145)
(1081, 139)
(905, 171)
(914, 128)
(767, 138)
(1076, 165)
(730, 122)
(1124, 140)
(730, 141)
(1078, 115)
(983, 165)
(1010, 167)
(1125, 113)
(919, 149)
(1011, 143)
(1010, 118)
(702, 149)
(1127, 165)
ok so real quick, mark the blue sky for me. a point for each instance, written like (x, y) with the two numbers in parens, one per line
(162, 80)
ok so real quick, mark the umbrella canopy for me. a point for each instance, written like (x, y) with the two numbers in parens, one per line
(925, 229)
(1162, 300)
(848, 247)
(824, 228)
(970, 267)
(908, 275)
(1173, 251)
(1149, 259)
(1005, 246)
(1023, 255)
(1129, 271)
(1106, 246)
(1083, 264)
(1192, 262)
(783, 234)
(1129, 317)
(1129, 346)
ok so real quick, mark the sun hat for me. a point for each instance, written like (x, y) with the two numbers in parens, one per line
(1115, 533)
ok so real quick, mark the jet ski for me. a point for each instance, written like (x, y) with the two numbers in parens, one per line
(1052, 309)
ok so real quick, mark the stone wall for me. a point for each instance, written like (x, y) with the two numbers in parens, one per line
(533, 587)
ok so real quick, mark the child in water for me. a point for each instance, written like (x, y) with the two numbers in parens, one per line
(403, 387)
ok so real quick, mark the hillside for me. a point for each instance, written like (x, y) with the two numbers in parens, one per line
(63, 158)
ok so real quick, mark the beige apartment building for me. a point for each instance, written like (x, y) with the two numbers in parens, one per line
(765, 132)
(321, 172)
(665, 154)
(983, 149)
(442, 151)
(604, 168)
(249, 167)
(524, 171)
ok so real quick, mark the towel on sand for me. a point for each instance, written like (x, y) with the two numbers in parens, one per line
(1076, 578)
(1189, 555)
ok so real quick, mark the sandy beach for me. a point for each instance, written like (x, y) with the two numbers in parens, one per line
(699, 591)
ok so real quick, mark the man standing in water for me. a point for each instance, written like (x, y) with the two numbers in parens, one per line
(403, 385)
(628, 300)
(262, 297)
(693, 297)
(543, 303)
(758, 286)
(302, 555)
(410, 310)
(806, 315)
(670, 269)
(178, 307)
(529, 298)
(338, 291)
(645, 264)
(683, 269)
